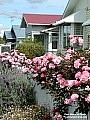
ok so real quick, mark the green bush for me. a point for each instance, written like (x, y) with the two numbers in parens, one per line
(2, 41)
(15, 89)
(31, 48)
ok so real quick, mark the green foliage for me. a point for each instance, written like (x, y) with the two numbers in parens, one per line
(31, 48)
(2, 41)
(15, 89)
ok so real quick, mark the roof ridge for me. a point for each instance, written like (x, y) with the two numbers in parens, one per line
(40, 14)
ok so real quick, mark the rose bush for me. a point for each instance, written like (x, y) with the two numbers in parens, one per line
(66, 77)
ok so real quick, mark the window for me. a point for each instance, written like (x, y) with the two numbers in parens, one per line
(54, 44)
(66, 33)
(78, 29)
(88, 41)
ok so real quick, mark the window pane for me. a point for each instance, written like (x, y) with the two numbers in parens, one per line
(54, 44)
(67, 32)
(64, 42)
(78, 29)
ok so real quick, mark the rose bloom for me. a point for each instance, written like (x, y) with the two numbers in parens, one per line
(86, 68)
(59, 76)
(24, 69)
(67, 101)
(43, 69)
(67, 57)
(35, 75)
(84, 76)
(87, 88)
(77, 75)
(77, 83)
(51, 65)
(69, 51)
(77, 63)
(74, 97)
(57, 60)
(87, 99)
(71, 83)
(80, 40)
(71, 36)
(43, 75)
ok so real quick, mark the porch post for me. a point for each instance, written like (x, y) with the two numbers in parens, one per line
(72, 32)
(59, 42)
(32, 35)
(50, 42)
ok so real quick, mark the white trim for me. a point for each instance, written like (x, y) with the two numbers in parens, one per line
(73, 18)
(86, 23)
(45, 30)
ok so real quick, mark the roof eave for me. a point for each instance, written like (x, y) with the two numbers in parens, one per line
(37, 24)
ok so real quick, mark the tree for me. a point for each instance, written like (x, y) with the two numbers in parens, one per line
(31, 48)
(1, 41)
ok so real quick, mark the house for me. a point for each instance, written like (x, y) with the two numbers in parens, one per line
(9, 37)
(75, 21)
(14, 36)
(35, 23)
(18, 32)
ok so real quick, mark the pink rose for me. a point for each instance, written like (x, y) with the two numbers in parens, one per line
(84, 76)
(74, 97)
(80, 40)
(87, 99)
(43, 69)
(57, 60)
(24, 69)
(67, 101)
(43, 75)
(71, 36)
(77, 75)
(51, 65)
(71, 83)
(86, 68)
(67, 57)
(77, 63)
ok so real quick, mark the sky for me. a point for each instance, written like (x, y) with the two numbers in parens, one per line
(11, 10)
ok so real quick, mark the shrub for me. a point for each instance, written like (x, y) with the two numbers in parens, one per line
(14, 89)
(31, 48)
(2, 41)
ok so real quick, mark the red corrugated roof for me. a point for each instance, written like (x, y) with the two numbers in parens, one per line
(41, 18)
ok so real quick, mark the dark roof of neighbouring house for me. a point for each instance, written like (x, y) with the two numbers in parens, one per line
(9, 35)
(19, 32)
(41, 18)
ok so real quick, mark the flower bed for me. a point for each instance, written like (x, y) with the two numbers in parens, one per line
(66, 77)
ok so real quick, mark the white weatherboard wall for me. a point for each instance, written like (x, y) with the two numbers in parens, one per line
(45, 99)
(42, 96)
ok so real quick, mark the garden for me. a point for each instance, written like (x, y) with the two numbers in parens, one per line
(67, 78)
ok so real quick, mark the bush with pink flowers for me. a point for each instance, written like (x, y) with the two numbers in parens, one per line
(67, 78)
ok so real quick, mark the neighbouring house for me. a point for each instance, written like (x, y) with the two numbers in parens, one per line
(9, 37)
(75, 21)
(18, 32)
(14, 36)
(35, 23)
